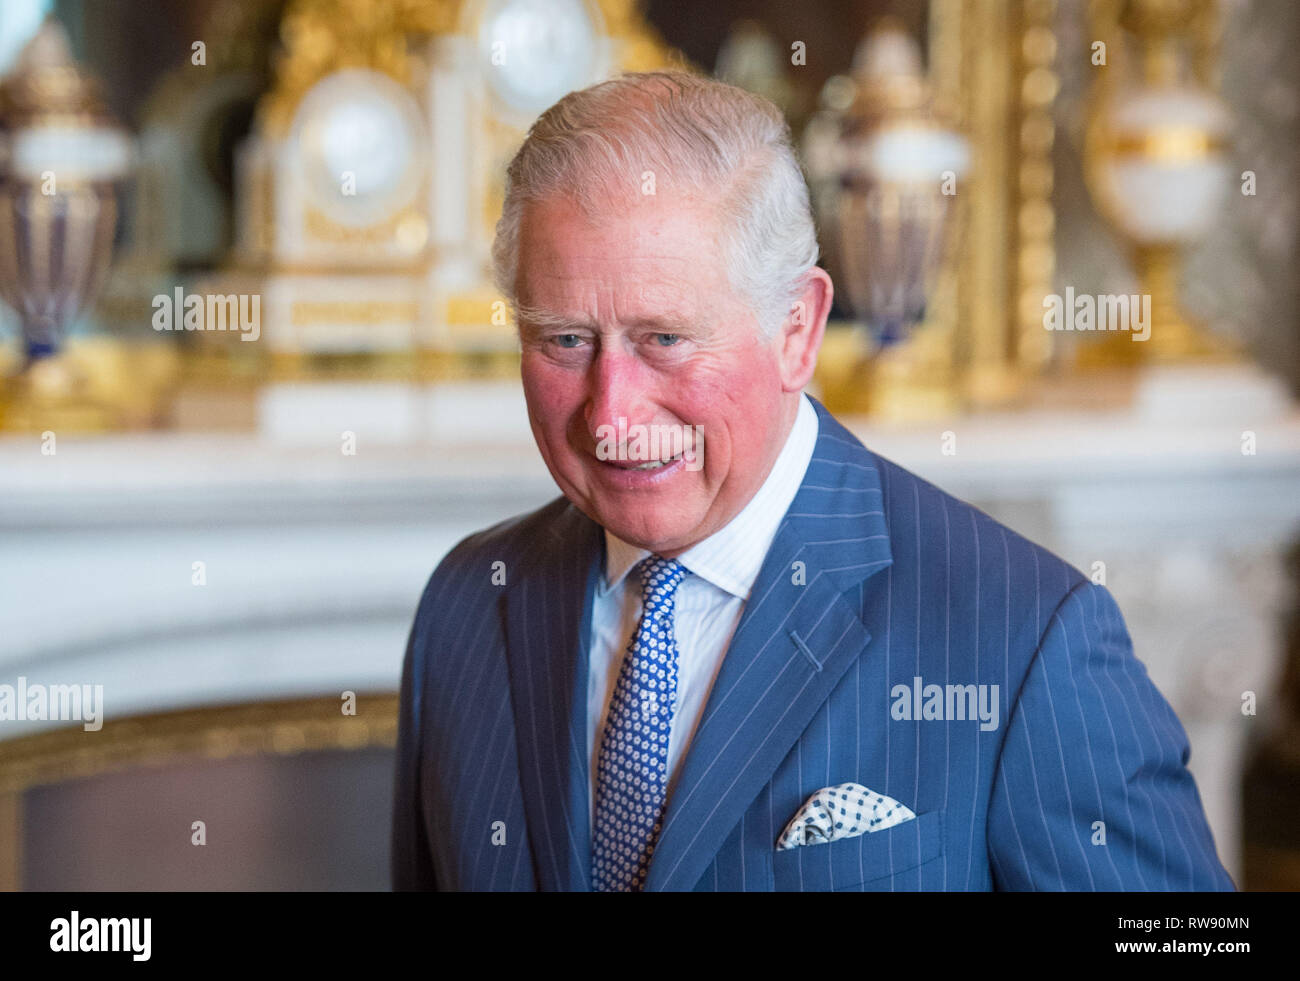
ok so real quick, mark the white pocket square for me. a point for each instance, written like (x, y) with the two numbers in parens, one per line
(839, 812)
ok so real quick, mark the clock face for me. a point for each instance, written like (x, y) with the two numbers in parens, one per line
(535, 51)
(361, 146)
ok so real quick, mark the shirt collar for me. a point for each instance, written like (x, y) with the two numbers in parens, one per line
(732, 556)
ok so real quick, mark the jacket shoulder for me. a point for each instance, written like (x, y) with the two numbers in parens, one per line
(517, 542)
(937, 522)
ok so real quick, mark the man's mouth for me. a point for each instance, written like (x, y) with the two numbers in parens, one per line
(648, 465)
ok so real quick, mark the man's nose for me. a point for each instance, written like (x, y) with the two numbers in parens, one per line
(619, 390)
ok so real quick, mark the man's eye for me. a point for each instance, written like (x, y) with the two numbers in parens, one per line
(668, 340)
(567, 340)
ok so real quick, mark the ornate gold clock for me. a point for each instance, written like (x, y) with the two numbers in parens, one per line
(369, 189)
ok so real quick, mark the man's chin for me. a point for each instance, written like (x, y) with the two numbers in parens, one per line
(654, 538)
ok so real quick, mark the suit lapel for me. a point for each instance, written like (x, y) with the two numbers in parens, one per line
(548, 629)
(797, 636)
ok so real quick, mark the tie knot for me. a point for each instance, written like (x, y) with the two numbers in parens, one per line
(660, 578)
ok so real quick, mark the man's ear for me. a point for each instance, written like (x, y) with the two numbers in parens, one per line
(803, 330)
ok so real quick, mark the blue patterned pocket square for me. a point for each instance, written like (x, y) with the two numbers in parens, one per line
(839, 812)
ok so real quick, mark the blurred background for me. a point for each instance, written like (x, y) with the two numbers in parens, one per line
(255, 380)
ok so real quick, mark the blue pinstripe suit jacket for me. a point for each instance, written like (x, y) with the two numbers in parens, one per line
(898, 581)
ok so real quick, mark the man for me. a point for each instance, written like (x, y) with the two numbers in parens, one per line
(742, 652)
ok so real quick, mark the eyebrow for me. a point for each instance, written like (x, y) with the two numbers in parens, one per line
(535, 319)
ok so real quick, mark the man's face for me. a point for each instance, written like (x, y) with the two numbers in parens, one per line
(642, 329)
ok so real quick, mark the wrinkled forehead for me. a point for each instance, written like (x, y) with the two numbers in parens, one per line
(655, 257)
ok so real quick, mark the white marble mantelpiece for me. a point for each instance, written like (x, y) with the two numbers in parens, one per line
(315, 560)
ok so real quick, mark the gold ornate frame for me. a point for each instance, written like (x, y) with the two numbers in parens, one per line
(992, 65)
(280, 727)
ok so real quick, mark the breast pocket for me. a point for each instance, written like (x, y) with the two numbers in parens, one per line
(850, 862)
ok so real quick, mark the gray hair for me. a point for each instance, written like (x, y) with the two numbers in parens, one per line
(692, 132)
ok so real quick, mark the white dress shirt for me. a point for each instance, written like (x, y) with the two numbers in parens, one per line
(709, 602)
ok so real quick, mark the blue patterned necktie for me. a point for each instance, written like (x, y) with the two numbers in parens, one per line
(632, 774)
